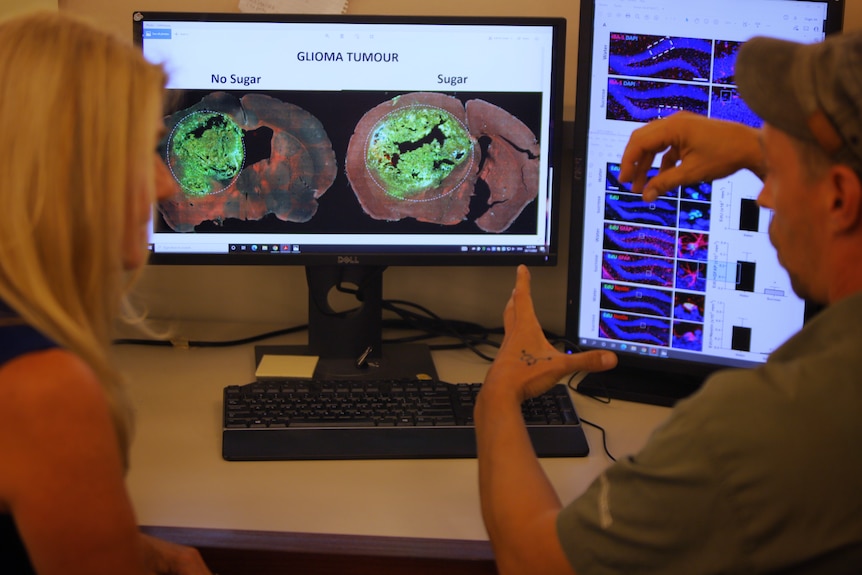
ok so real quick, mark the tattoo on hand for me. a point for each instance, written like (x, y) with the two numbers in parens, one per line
(531, 359)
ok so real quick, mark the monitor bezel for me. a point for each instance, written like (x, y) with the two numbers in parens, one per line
(547, 256)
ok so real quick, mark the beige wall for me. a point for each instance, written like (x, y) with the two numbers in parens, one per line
(11, 7)
(115, 14)
(279, 294)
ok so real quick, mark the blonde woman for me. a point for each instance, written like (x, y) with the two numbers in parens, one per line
(80, 116)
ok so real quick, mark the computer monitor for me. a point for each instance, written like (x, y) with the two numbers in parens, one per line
(689, 283)
(347, 143)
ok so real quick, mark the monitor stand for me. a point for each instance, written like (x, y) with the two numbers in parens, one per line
(640, 385)
(349, 343)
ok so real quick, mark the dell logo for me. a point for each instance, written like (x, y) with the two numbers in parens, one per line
(348, 260)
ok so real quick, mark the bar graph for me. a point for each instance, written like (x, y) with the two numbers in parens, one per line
(741, 338)
(749, 215)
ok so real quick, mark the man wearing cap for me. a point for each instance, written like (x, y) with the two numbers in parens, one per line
(761, 470)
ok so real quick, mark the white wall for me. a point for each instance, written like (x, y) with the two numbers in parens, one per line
(279, 294)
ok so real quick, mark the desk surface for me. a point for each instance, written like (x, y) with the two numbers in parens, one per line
(179, 479)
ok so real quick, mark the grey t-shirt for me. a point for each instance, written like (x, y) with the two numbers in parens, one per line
(758, 472)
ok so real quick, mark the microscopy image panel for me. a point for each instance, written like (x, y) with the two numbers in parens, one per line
(688, 336)
(689, 306)
(421, 154)
(724, 66)
(691, 276)
(635, 329)
(613, 183)
(636, 299)
(693, 246)
(640, 240)
(701, 191)
(205, 152)
(648, 270)
(631, 208)
(244, 158)
(694, 215)
(644, 100)
(666, 57)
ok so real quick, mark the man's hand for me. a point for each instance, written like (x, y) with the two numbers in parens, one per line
(527, 364)
(698, 149)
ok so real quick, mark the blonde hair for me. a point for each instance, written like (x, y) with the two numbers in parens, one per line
(79, 117)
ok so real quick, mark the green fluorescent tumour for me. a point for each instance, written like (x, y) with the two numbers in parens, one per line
(414, 148)
(206, 152)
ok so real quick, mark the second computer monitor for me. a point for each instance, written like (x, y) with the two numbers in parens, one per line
(689, 283)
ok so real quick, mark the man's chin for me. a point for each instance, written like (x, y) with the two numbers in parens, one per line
(804, 292)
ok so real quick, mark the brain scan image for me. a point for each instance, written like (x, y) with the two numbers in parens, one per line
(420, 155)
(205, 152)
(245, 158)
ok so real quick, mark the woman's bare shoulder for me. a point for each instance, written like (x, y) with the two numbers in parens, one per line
(53, 409)
(50, 378)
(63, 476)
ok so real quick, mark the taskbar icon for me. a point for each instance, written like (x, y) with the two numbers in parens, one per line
(623, 346)
(264, 249)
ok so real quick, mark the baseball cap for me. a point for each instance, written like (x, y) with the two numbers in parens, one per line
(811, 91)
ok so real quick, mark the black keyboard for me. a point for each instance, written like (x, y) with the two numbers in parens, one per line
(414, 419)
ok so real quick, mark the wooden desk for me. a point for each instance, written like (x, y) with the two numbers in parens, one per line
(392, 516)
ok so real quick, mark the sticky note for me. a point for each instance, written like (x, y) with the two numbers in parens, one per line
(277, 366)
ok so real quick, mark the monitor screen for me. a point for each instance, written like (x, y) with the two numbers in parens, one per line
(689, 283)
(350, 143)
(387, 140)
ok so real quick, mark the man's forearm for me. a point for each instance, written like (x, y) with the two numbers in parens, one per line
(519, 504)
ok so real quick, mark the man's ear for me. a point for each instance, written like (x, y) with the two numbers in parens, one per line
(845, 208)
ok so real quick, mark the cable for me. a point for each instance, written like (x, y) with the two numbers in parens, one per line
(604, 437)
(193, 343)
(410, 316)
(413, 316)
(605, 400)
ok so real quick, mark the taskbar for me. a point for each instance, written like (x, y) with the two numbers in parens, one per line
(288, 249)
(660, 352)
